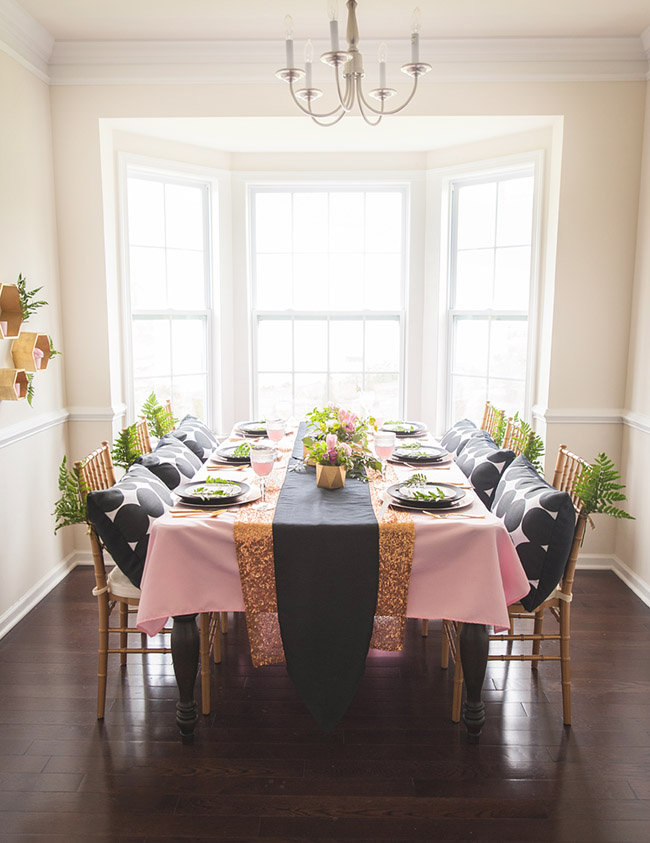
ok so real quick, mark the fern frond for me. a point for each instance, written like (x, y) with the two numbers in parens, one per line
(71, 506)
(160, 421)
(126, 448)
(598, 489)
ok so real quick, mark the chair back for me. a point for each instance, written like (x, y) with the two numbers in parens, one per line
(516, 438)
(168, 409)
(142, 434)
(94, 473)
(491, 419)
(569, 468)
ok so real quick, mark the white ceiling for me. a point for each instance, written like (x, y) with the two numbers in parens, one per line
(223, 20)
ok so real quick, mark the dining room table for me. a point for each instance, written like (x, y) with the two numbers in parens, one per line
(323, 575)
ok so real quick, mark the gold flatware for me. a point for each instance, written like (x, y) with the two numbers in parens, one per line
(197, 514)
(448, 514)
(425, 467)
(226, 467)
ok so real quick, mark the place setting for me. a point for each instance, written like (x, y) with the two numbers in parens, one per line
(420, 454)
(211, 496)
(405, 429)
(430, 497)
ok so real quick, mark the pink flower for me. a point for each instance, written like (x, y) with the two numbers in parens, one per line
(348, 420)
(331, 445)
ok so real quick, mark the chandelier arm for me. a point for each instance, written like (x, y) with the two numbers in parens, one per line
(362, 112)
(381, 111)
(332, 122)
(346, 100)
(308, 111)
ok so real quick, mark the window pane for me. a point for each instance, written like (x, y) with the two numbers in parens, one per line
(510, 395)
(470, 346)
(383, 282)
(188, 346)
(189, 395)
(508, 341)
(346, 281)
(143, 387)
(310, 346)
(382, 346)
(147, 277)
(468, 397)
(346, 222)
(474, 272)
(476, 215)
(184, 216)
(274, 396)
(273, 282)
(310, 219)
(512, 278)
(146, 212)
(185, 280)
(151, 347)
(385, 391)
(515, 212)
(346, 346)
(383, 222)
(344, 389)
(310, 282)
(311, 391)
(273, 222)
(274, 346)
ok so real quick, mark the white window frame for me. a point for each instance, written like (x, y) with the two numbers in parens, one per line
(339, 185)
(479, 174)
(174, 173)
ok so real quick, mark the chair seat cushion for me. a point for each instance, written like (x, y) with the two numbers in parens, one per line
(541, 522)
(122, 517)
(455, 439)
(171, 461)
(483, 462)
(121, 586)
(197, 436)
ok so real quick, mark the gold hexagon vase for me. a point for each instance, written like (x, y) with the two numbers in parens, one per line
(330, 476)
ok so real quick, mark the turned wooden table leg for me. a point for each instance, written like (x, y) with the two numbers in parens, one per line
(474, 642)
(185, 655)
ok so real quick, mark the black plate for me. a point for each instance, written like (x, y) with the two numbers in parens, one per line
(225, 453)
(432, 453)
(461, 504)
(452, 494)
(252, 428)
(185, 492)
(414, 428)
(252, 495)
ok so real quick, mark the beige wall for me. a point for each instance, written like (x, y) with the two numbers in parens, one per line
(32, 439)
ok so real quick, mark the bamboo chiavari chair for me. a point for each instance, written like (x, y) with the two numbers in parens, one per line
(142, 434)
(568, 470)
(491, 418)
(115, 589)
(516, 438)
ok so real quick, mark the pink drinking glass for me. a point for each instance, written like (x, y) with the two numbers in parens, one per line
(275, 429)
(262, 461)
(384, 446)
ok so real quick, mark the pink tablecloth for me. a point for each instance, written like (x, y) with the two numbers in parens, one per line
(466, 570)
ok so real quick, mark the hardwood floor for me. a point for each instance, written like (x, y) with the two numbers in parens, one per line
(395, 769)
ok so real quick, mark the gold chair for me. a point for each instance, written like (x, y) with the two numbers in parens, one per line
(114, 588)
(517, 436)
(142, 434)
(568, 470)
(492, 419)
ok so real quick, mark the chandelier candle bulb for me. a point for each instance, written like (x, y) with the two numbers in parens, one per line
(288, 23)
(382, 64)
(415, 36)
(333, 11)
(309, 58)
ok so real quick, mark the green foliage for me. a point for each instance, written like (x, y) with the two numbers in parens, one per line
(71, 506)
(500, 429)
(534, 447)
(126, 448)
(159, 420)
(598, 489)
(27, 304)
(30, 389)
(53, 351)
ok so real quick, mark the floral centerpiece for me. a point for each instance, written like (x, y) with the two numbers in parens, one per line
(339, 439)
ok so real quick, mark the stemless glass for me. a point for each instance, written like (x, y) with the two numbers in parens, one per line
(275, 429)
(384, 446)
(262, 461)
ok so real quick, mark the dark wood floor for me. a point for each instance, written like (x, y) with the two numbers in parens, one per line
(395, 769)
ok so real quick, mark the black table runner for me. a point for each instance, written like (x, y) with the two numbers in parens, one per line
(326, 550)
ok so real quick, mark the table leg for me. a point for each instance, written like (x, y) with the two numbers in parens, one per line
(474, 642)
(185, 655)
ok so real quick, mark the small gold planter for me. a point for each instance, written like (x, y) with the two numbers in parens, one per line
(305, 454)
(330, 476)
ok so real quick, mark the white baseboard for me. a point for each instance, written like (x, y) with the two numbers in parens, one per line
(34, 596)
(602, 562)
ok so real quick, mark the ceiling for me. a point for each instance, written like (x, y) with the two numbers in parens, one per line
(173, 20)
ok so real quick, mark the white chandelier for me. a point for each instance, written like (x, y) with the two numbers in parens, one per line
(351, 62)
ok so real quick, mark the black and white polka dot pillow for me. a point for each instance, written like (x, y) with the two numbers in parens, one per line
(172, 462)
(457, 436)
(197, 436)
(483, 462)
(541, 522)
(123, 515)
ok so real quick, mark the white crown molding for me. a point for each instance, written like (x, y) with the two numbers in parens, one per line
(24, 39)
(23, 430)
(255, 62)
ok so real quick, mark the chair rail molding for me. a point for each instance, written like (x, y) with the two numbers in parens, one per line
(581, 415)
(639, 421)
(23, 430)
(97, 414)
